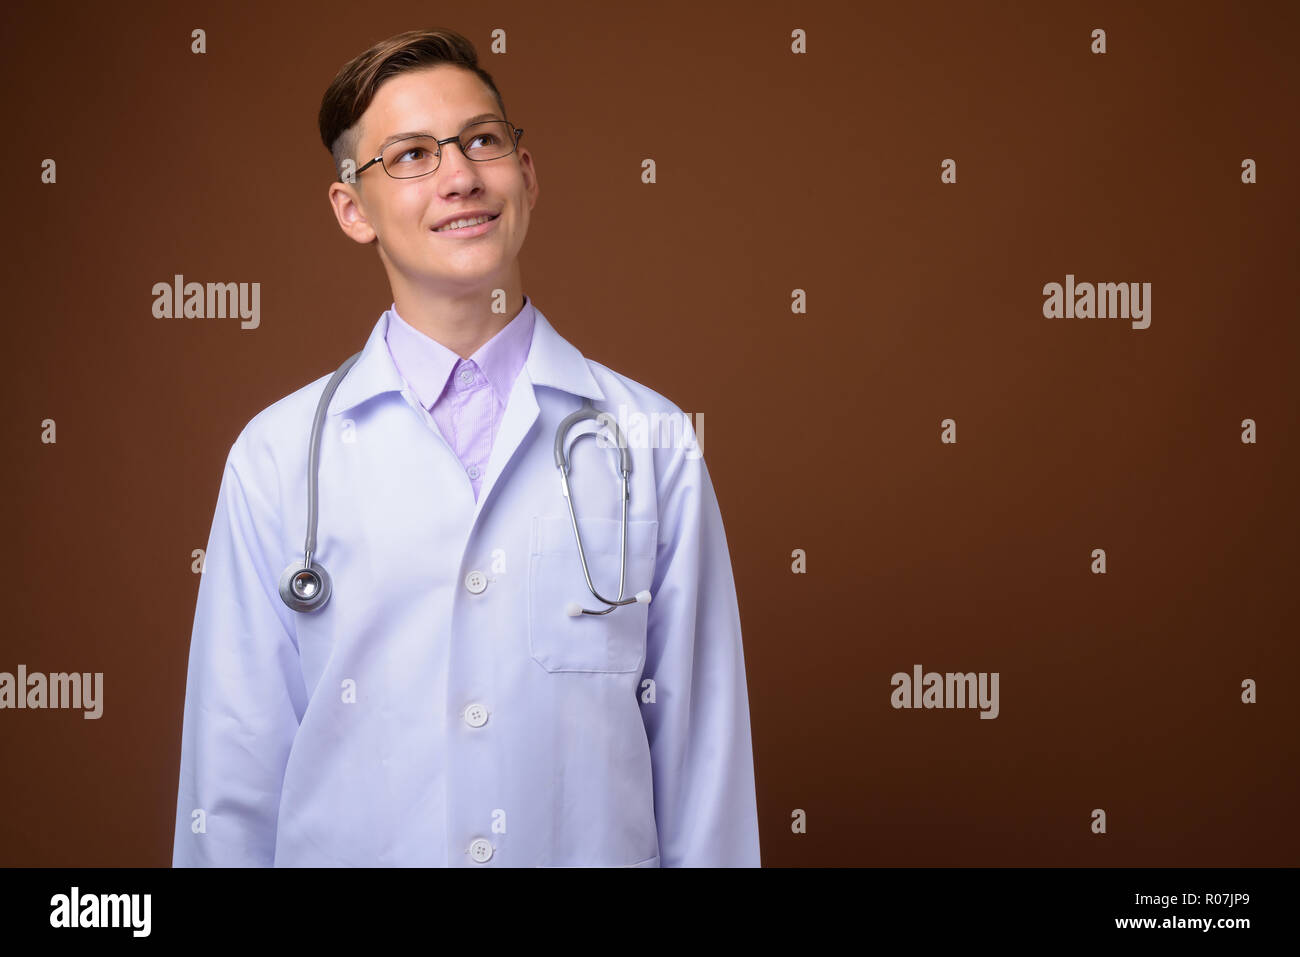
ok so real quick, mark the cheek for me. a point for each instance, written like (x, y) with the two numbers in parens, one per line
(410, 210)
(525, 215)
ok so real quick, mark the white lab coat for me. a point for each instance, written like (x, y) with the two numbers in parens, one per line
(421, 719)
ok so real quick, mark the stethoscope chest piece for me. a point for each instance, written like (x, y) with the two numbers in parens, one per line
(305, 589)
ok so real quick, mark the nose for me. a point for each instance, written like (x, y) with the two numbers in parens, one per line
(451, 154)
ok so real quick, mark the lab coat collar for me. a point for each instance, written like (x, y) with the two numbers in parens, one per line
(552, 361)
(427, 364)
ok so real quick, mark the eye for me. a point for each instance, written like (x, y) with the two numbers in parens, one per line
(413, 149)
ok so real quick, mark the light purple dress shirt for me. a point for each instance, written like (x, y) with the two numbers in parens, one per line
(467, 397)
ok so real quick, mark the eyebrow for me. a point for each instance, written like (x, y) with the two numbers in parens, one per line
(479, 118)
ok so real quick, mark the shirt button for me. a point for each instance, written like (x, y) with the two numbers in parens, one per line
(476, 715)
(480, 850)
(466, 376)
(476, 581)
(473, 471)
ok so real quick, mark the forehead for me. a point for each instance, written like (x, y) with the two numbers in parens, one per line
(437, 100)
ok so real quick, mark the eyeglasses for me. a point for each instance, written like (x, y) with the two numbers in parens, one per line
(422, 155)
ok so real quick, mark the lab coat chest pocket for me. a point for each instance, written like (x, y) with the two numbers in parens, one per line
(613, 643)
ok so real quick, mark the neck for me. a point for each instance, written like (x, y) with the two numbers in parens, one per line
(461, 322)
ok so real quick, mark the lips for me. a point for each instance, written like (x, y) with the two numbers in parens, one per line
(467, 214)
(468, 232)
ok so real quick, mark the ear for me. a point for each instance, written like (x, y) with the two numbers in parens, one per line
(346, 203)
(531, 185)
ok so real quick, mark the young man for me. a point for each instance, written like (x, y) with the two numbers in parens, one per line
(447, 703)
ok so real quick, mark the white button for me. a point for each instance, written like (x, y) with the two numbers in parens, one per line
(475, 716)
(476, 581)
(480, 850)
(473, 471)
(466, 376)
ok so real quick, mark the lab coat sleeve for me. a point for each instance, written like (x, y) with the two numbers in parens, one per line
(244, 694)
(698, 726)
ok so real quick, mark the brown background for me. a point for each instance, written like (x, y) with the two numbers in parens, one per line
(1119, 692)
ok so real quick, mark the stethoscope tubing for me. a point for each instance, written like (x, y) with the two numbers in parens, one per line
(306, 586)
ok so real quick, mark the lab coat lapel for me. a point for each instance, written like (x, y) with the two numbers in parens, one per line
(520, 416)
(373, 374)
(552, 362)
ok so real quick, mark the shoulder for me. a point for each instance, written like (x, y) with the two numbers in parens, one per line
(622, 389)
(651, 421)
(649, 417)
(280, 432)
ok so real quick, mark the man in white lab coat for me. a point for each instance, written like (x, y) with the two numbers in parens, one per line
(444, 706)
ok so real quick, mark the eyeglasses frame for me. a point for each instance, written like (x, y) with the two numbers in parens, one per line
(440, 143)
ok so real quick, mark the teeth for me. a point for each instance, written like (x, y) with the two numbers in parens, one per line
(462, 223)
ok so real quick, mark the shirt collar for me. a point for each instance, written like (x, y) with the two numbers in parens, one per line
(551, 361)
(426, 363)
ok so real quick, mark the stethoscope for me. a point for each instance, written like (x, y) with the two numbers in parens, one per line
(305, 586)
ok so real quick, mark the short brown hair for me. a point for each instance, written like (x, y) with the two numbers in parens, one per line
(359, 79)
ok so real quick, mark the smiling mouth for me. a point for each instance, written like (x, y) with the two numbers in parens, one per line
(468, 229)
